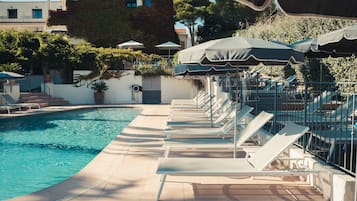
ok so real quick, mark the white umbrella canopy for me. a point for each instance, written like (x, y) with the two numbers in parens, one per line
(131, 44)
(240, 51)
(4, 75)
(168, 46)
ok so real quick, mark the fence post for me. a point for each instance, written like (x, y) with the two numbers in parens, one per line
(305, 103)
(275, 106)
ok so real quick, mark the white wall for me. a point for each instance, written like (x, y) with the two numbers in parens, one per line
(24, 10)
(174, 88)
(119, 90)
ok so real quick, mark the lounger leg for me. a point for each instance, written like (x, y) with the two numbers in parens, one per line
(167, 152)
(162, 182)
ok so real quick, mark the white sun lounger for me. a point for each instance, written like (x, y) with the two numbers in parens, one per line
(204, 112)
(193, 101)
(217, 108)
(8, 108)
(255, 165)
(11, 102)
(247, 132)
(228, 112)
(208, 132)
(199, 104)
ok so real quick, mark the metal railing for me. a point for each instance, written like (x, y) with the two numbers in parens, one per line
(324, 107)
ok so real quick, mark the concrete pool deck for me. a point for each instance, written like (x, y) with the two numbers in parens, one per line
(125, 170)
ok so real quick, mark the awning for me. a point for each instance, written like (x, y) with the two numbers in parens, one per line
(197, 69)
(327, 8)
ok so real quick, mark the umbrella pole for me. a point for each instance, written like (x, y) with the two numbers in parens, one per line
(210, 99)
(235, 122)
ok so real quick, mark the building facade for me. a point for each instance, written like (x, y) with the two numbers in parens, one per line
(28, 15)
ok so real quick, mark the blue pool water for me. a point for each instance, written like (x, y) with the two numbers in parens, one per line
(42, 150)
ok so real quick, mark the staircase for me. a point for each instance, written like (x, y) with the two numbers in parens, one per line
(42, 99)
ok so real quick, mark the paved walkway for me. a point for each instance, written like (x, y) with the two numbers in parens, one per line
(125, 170)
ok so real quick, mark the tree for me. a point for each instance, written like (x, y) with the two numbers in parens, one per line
(188, 12)
(223, 19)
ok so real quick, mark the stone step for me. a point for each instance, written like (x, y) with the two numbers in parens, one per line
(42, 99)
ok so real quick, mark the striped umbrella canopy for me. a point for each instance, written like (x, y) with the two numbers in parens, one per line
(310, 48)
(239, 51)
(198, 69)
(339, 41)
(326, 8)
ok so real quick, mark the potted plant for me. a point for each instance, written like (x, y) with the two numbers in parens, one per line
(99, 87)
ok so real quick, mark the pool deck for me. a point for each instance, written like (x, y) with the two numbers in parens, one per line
(125, 170)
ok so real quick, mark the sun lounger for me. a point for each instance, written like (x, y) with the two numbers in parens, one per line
(256, 165)
(247, 132)
(190, 102)
(11, 102)
(8, 108)
(208, 132)
(324, 97)
(199, 111)
(193, 101)
(228, 112)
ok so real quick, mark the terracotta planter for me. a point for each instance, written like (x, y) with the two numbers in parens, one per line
(99, 98)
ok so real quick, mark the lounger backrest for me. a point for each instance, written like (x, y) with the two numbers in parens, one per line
(215, 106)
(276, 145)
(343, 112)
(8, 99)
(253, 126)
(324, 97)
(226, 114)
(242, 113)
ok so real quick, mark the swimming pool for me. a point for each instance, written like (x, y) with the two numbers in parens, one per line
(42, 150)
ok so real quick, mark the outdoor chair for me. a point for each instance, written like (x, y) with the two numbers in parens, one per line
(8, 108)
(256, 165)
(242, 136)
(227, 112)
(209, 132)
(11, 102)
(181, 102)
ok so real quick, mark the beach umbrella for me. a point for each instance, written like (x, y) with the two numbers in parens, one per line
(168, 46)
(240, 51)
(327, 8)
(10, 75)
(339, 41)
(131, 44)
(310, 49)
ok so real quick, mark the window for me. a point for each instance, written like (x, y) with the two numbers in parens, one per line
(36, 13)
(148, 3)
(12, 13)
(131, 3)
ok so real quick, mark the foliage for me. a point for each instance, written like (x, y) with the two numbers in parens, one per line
(223, 18)
(344, 70)
(10, 67)
(153, 71)
(291, 29)
(188, 12)
(38, 53)
(107, 23)
(99, 86)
